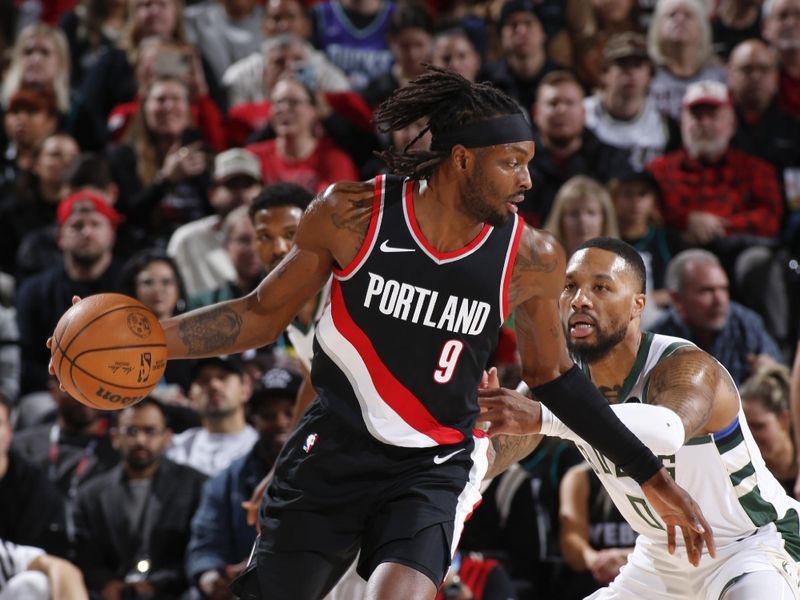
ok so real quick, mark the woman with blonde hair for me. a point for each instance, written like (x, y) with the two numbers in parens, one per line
(679, 43)
(39, 58)
(765, 401)
(582, 210)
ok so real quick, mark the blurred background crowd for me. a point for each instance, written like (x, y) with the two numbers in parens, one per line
(166, 149)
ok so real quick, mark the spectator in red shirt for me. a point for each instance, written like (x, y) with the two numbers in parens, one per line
(725, 200)
(709, 189)
(781, 28)
(298, 154)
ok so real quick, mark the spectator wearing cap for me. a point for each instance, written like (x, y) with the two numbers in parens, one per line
(219, 392)
(564, 146)
(605, 20)
(764, 128)
(709, 189)
(197, 246)
(782, 30)
(30, 116)
(637, 200)
(723, 199)
(85, 235)
(221, 538)
(523, 60)
(679, 43)
(621, 113)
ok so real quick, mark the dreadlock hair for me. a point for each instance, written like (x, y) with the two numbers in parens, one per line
(448, 101)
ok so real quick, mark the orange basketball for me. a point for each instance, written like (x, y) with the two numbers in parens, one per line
(109, 351)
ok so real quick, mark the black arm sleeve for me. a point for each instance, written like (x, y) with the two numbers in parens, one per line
(575, 400)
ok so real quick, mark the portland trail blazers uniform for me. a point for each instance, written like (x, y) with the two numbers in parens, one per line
(387, 449)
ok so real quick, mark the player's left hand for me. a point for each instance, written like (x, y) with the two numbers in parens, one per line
(677, 509)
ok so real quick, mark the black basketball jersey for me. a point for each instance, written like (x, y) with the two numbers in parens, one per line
(409, 330)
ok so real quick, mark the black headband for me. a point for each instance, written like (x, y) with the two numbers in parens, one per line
(497, 130)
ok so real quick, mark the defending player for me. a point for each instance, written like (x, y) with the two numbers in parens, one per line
(425, 269)
(684, 405)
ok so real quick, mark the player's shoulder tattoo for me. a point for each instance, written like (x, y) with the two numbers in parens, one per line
(536, 253)
(539, 254)
(350, 206)
(686, 382)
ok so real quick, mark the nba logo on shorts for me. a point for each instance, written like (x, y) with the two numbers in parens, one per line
(310, 441)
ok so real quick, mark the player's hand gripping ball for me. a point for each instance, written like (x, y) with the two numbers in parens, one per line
(109, 351)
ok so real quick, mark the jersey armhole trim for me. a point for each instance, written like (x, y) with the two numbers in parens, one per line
(508, 267)
(369, 240)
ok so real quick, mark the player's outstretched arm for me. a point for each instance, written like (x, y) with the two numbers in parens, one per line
(329, 233)
(537, 281)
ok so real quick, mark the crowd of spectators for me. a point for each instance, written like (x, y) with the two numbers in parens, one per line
(166, 149)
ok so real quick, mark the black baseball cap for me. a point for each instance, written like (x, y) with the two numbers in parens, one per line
(515, 6)
(230, 363)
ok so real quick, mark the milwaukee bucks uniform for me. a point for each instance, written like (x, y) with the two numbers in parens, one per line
(755, 524)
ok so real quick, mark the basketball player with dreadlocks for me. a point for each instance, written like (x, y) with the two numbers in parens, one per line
(427, 264)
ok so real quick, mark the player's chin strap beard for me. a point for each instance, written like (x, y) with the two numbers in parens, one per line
(506, 129)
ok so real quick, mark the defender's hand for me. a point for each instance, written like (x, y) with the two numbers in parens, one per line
(677, 509)
(509, 412)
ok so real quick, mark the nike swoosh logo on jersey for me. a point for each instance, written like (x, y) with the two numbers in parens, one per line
(385, 247)
(441, 459)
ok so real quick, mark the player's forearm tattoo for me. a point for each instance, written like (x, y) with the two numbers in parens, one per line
(686, 383)
(210, 331)
(509, 449)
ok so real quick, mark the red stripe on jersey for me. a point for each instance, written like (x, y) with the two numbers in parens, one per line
(392, 391)
(412, 219)
(509, 266)
(373, 227)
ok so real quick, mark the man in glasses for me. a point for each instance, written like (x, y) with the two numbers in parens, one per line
(133, 523)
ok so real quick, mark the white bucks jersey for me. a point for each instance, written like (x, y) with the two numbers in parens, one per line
(723, 472)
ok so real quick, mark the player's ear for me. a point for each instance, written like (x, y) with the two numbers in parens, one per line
(461, 157)
(639, 302)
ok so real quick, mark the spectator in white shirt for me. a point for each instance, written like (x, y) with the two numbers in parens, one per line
(219, 391)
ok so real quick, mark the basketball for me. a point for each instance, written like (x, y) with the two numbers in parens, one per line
(109, 351)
